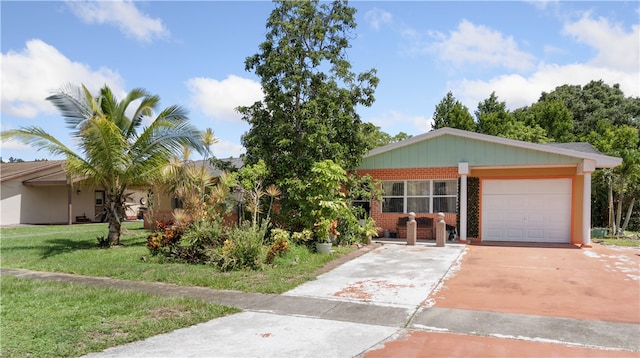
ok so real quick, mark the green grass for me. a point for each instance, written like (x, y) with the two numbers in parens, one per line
(631, 239)
(47, 319)
(74, 249)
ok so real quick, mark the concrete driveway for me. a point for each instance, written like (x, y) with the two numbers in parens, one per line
(531, 301)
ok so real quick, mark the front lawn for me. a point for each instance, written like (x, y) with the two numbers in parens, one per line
(74, 249)
(48, 319)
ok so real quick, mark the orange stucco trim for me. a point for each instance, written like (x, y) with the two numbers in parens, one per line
(537, 173)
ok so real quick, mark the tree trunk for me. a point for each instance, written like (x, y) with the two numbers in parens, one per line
(619, 211)
(115, 211)
(114, 231)
(628, 216)
(612, 227)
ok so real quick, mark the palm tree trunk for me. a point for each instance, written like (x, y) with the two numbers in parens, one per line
(114, 209)
(628, 216)
(114, 231)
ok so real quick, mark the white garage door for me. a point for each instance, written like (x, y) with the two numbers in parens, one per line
(531, 210)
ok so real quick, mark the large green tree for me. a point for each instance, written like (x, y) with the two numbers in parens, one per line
(594, 102)
(308, 113)
(493, 118)
(116, 151)
(452, 113)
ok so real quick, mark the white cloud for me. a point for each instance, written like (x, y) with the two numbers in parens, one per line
(377, 17)
(394, 122)
(225, 149)
(543, 4)
(616, 48)
(480, 45)
(218, 99)
(29, 76)
(518, 91)
(122, 14)
(616, 61)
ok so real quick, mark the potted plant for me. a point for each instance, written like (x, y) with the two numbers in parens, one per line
(325, 232)
(369, 229)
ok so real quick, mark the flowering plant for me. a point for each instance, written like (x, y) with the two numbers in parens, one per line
(326, 230)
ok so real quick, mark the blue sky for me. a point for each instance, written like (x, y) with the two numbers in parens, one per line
(192, 54)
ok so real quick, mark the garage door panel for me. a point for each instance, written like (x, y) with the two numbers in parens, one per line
(495, 232)
(514, 234)
(533, 210)
(536, 204)
(536, 219)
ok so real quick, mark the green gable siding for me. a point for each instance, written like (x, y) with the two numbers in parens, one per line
(449, 150)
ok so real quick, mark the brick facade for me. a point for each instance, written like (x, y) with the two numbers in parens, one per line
(389, 221)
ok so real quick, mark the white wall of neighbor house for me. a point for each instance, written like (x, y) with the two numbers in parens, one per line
(23, 204)
(11, 202)
(82, 201)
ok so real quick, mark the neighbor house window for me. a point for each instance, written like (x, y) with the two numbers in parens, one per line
(420, 196)
(176, 203)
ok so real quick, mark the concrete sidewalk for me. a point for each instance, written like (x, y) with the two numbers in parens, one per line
(392, 301)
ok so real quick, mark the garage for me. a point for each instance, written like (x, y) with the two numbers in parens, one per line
(527, 210)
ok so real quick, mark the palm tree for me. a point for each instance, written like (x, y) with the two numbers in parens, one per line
(115, 152)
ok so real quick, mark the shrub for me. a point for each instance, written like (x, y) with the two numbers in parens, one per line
(280, 245)
(164, 240)
(242, 249)
(103, 241)
(204, 232)
(302, 237)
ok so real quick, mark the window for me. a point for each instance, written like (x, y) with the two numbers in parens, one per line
(393, 197)
(420, 196)
(176, 203)
(445, 194)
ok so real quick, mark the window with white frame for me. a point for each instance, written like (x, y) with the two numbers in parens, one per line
(420, 196)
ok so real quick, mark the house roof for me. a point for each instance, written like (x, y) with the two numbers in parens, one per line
(52, 172)
(572, 150)
(579, 146)
(30, 170)
(236, 163)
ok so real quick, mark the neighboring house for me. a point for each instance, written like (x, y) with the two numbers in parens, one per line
(41, 193)
(165, 203)
(489, 188)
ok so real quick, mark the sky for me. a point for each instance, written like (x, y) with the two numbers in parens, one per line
(192, 53)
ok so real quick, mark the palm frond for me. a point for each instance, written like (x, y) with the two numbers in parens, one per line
(74, 104)
(39, 139)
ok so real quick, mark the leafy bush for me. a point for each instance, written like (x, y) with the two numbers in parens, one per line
(165, 239)
(280, 245)
(242, 249)
(204, 232)
(302, 237)
(103, 241)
